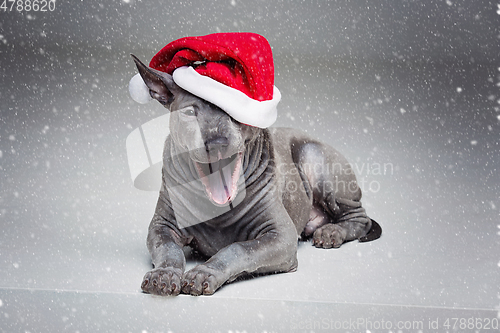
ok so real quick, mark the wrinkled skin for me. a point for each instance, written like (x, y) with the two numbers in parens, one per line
(242, 196)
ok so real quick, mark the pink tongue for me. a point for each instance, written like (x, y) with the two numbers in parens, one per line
(221, 183)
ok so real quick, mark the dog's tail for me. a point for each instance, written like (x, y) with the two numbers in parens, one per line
(374, 233)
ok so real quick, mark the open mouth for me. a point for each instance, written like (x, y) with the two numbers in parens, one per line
(220, 178)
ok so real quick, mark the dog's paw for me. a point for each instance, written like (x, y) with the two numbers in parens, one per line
(328, 236)
(202, 280)
(162, 281)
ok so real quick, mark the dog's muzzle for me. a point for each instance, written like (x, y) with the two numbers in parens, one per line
(220, 178)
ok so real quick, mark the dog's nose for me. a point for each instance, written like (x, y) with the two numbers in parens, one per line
(218, 143)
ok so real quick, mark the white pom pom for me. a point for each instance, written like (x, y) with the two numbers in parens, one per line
(138, 90)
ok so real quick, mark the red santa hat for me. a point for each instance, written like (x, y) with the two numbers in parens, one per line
(234, 71)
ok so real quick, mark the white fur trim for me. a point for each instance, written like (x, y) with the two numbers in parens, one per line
(138, 90)
(236, 103)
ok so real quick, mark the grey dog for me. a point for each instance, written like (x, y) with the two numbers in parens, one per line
(242, 196)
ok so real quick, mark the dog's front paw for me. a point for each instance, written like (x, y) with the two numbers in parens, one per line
(202, 280)
(328, 236)
(162, 281)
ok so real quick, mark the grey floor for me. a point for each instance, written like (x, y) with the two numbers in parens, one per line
(423, 138)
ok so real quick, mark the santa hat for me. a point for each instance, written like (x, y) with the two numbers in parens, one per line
(234, 71)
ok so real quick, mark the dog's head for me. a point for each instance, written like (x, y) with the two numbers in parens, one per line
(214, 141)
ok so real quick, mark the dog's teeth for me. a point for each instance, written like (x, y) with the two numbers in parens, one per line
(221, 178)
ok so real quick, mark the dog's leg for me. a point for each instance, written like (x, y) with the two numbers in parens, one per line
(352, 223)
(337, 215)
(169, 261)
(273, 251)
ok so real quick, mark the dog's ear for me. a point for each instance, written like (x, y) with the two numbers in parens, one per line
(161, 85)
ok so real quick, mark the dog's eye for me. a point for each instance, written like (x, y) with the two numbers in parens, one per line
(188, 111)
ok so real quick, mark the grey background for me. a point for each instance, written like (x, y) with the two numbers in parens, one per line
(414, 85)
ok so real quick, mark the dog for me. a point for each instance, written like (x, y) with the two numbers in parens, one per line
(242, 196)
